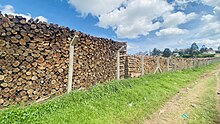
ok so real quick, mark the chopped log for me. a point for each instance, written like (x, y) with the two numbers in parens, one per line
(29, 58)
(22, 42)
(16, 64)
(2, 43)
(23, 21)
(4, 84)
(2, 77)
(34, 78)
(1, 101)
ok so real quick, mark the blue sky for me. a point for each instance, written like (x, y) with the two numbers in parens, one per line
(143, 24)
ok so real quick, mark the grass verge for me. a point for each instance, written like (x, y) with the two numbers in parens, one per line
(205, 111)
(125, 101)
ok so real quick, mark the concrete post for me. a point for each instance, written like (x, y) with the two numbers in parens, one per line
(70, 72)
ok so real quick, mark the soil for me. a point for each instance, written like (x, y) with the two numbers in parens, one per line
(183, 102)
(218, 96)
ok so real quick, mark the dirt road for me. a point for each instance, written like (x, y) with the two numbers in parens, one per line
(173, 112)
(218, 95)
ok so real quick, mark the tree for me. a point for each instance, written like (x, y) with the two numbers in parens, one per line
(219, 48)
(194, 50)
(156, 52)
(210, 49)
(187, 51)
(167, 52)
(203, 49)
(175, 50)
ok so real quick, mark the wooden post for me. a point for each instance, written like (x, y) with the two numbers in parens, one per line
(118, 62)
(70, 72)
(142, 65)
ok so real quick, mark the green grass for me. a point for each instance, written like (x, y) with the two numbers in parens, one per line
(107, 103)
(205, 111)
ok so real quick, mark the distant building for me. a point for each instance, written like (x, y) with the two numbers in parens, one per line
(176, 54)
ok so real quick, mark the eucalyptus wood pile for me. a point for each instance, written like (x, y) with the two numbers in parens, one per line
(133, 66)
(150, 63)
(165, 64)
(34, 58)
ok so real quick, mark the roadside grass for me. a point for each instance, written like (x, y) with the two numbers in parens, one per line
(205, 111)
(124, 101)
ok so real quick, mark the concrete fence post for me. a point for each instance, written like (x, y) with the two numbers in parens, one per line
(70, 72)
(175, 65)
(158, 69)
(142, 65)
(168, 64)
(118, 62)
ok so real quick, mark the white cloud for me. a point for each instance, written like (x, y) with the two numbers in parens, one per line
(136, 18)
(171, 31)
(211, 43)
(133, 47)
(182, 4)
(174, 19)
(211, 2)
(207, 18)
(185, 1)
(210, 24)
(95, 7)
(130, 20)
(8, 9)
(41, 18)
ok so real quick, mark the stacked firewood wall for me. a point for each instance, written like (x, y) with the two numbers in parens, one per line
(150, 63)
(133, 66)
(34, 59)
(165, 64)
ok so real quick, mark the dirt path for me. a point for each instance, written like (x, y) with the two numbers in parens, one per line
(184, 101)
(218, 96)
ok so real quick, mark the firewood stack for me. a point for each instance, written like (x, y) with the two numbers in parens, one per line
(150, 63)
(34, 59)
(133, 66)
(163, 64)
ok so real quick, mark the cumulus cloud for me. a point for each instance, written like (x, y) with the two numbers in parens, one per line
(8, 9)
(95, 7)
(210, 24)
(171, 31)
(138, 18)
(132, 18)
(41, 18)
(211, 2)
(174, 19)
(209, 42)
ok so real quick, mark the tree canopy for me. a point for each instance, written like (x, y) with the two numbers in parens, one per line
(156, 52)
(167, 52)
(203, 49)
(194, 50)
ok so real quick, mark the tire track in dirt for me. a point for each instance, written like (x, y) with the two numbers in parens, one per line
(182, 102)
